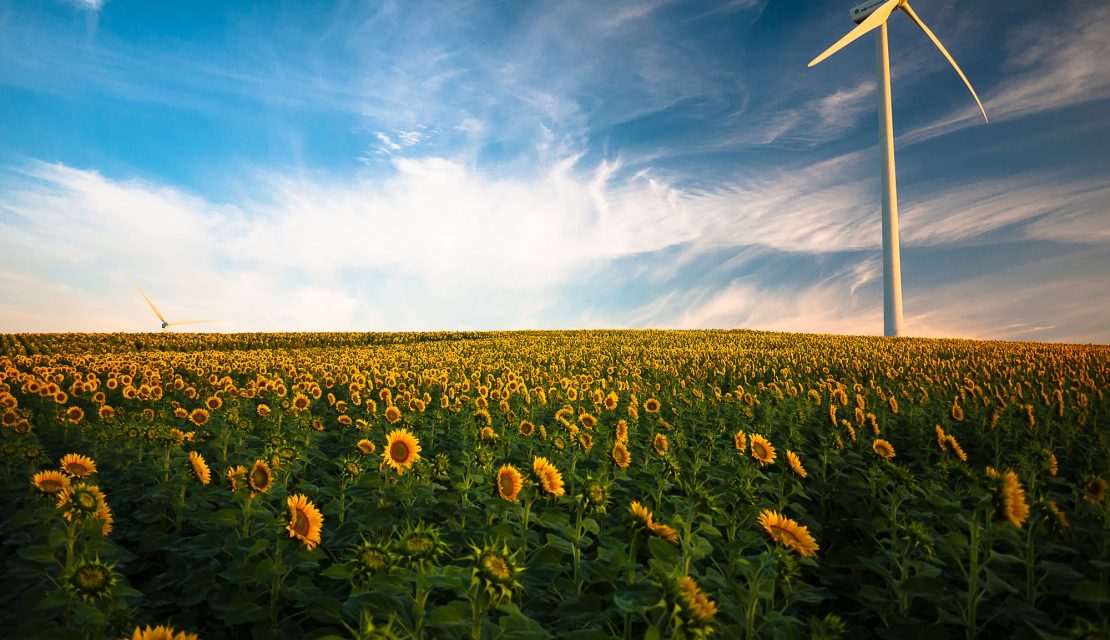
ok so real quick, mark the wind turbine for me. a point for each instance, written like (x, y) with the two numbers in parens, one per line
(165, 324)
(868, 16)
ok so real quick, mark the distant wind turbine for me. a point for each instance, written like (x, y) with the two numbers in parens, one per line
(868, 16)
(165, 324)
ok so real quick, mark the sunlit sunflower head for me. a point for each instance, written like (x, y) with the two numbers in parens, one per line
(585, 441)
(795, 463)
(740, 441)
(640, 512)
(80, 501)
(651, 405)
(620, 455)
(883, 449)
(697, 610)
(659, 443)
(180, 413)
(214, 403)
(587, 420)
(75, 415)
(305, 520)
(526, 428)
(365, 447)
(50, 482)
(161, 633)
(199, 417)
(496, 570)
(1014, 507)
(788, 533)
(200, 468)
(509, 482)
(263, 410)
(664, 531)
(622, 432)
(401, 450)
(90, 581)
(261, 478)
(106, 412)
(487, 433)
(762, 450)
(300, 402)
(78, 466)
(392, 414)
(548, 477)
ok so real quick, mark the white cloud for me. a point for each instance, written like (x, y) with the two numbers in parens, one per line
(92, 5)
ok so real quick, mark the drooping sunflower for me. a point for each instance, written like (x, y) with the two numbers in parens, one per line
(698, 610)
(509, 482)
(620, 455)
(200, 467)
(659, 443)
(305, 520)
(365, 447)
(883, 449)
(795, 463)
(199, 417)
(762, 450)
(789, 533)
(548, 476)
(261, 478)
(392, 414)
(78, 466)
(50, 482)
(1014, 506)
(740, 441)
(161, 632)
(401, 450)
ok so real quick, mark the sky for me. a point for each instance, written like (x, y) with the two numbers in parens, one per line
(410, 165)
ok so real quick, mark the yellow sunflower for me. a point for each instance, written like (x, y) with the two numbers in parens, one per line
(509, 482)
(200, 467)
(700, 609)
(263, 411)
(788, 533)
(740, 441)
(214, 403)
(366, 447)
(300, 402)
(50, 482)
(762, 450)
(75, 414)
(795, 463)
(161, 633)
(236, 476)
(78, 466)
(660, 444)
(261, 478)
(526, 428)
(199, 417)
(1013, 499)
(305, 521)
(620, 455)
(622, 432)
(883, 449)
(401, 450)
(651, 405)
(392, 414)
(548, 476)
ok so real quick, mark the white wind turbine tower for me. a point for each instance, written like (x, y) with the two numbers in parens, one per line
(868, 16)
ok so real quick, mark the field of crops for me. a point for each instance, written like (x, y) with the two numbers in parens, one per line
(593, 484)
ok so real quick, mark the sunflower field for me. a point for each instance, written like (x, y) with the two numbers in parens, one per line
(579, 484)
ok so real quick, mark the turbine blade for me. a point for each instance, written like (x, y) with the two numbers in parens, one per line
(152, 307)
(878, 17)
(174, 324)
(905, 6)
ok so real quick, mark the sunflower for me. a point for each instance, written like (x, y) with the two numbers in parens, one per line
(371, 558)
(80, 501)
(401, 450)
(548, 476)
(526, 428)
(214, 403)
(365, 447)
(740, 441)
(75, 415)
(180, 413)
(1095, 491)
(199, 417)
(788, 533)
(660, 444)
(942, 438)
(651, 405)
(509, 482)
(261, 478)
(91, 580)
(620, 455)
(695, 604)
(796, 463)
(305, 520)
(200, 467)
(106, 412)
(611, 401)
(642, 513)
(236, 476)
(622, 432)
(762, 450)
(585, 441)
(1013, 499)
(1050, 463)
(488, 433)
(78, 466)
(161, 633)
(263, 410)
(883, 449)
(392, 414)
(50, 482)
(951, 440)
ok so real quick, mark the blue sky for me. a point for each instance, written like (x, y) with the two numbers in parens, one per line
(439, 165)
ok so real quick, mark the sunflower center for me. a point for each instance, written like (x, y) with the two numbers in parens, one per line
(399, 451)
(51, 486)
(86, 501)
(497, 567)
(77, 469)
(260, 479)
(785, 536)
(506, 484)
(300, 523)
(90, 579)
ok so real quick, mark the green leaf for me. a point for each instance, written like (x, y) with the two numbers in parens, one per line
(1091, 591)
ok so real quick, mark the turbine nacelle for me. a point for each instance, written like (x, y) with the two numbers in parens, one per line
(859, 13)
